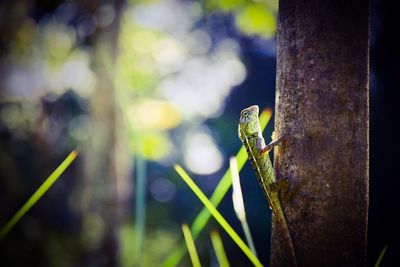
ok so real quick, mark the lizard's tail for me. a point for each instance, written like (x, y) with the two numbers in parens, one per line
(280, 225)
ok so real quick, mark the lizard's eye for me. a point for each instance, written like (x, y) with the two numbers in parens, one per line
(245, 113)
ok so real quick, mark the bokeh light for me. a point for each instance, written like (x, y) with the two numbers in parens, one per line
(202, 155)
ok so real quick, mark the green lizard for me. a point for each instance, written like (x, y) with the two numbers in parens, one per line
(251, 137)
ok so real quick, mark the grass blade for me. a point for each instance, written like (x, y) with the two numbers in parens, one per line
(217, 215)
(220, 191)
(378, 261)
(219, 249)
(190, 246)
(238, 204)
(38, 194)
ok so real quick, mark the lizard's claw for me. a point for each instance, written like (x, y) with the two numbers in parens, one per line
(266, 149)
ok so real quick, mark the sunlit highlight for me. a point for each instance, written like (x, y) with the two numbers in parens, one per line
(201, 155)
(153, 114)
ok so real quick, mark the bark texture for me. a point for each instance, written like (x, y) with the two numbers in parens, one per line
(322, 106)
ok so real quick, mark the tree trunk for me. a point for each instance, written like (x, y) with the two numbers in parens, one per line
(100, 195)
(322, 107)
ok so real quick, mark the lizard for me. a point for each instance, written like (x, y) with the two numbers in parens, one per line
(258, 153)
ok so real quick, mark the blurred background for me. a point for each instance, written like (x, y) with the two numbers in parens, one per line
(135, 87)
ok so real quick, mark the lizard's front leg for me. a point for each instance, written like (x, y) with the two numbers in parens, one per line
(267, 148)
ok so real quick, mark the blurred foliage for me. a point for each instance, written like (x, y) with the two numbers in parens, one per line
(137, 76)
(157, 245)
(251, 17)
(256, 19)
(226, 5)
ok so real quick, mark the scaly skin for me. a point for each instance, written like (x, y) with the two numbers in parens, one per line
(251, 137)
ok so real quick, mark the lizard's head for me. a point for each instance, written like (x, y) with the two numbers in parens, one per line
(248, 121)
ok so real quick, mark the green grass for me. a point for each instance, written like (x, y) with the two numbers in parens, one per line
(218, 216)
(219, 249)
(378, 261)
(38, 194)
(220, 191)
(190, 246)
(238, 203)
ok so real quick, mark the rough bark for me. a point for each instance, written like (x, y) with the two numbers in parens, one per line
(322, 106)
